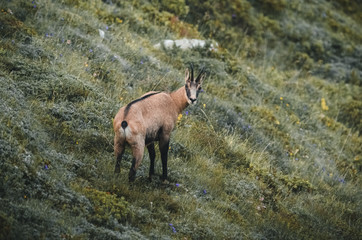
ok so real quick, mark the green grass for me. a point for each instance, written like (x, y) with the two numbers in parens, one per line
(259, 157)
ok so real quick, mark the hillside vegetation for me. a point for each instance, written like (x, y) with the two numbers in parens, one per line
(272, 150)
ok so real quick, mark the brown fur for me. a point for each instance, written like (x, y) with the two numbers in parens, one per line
(148, 120)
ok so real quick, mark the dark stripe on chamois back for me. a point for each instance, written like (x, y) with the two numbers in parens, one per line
(138, 100)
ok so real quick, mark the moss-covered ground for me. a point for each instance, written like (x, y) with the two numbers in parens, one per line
(272, 150)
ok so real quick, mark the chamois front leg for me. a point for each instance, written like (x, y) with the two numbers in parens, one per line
(118, 151)
(137, 152)
(152, 154)
(164, 145)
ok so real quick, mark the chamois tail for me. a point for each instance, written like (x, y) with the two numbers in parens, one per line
(124, 124)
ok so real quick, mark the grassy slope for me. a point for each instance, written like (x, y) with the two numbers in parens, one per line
(257, 158)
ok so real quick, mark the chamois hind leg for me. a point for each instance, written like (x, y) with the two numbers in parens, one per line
(152, 154)
(137, 152)
(119, 146)
(164, 145)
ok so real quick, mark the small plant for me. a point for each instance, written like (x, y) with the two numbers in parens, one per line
(106, 206)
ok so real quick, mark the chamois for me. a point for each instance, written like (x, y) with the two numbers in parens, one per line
(151, 118)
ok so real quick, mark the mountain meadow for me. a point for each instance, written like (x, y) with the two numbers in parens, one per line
(271, 150)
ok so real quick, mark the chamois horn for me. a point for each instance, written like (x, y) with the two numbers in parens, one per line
(200, 75)
(192, 72)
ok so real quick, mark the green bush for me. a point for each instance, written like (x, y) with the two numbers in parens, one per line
(105, 206)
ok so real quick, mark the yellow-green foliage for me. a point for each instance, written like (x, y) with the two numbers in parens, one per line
(276, 182)
(330, 122)
(177, 7)
(351, 113)
(274, 5)
(12, 26)
(106, 206)
(171, 19)
(265, 115)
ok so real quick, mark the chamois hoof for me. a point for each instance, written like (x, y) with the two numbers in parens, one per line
(117, 170)
(165, 181)
(131, 175)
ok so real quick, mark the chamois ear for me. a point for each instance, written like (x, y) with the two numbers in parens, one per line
(187, 76)
(201, 77)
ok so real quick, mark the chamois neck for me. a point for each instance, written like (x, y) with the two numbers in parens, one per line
(180, 99)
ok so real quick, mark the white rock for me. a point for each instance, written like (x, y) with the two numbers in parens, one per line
(186, 44)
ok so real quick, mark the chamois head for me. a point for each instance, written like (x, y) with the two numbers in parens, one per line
(192, 85)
